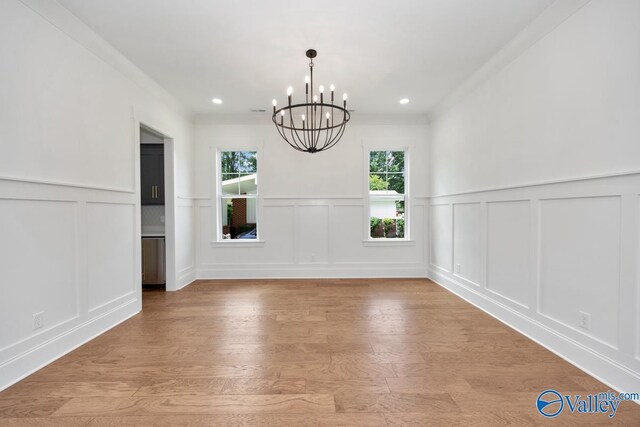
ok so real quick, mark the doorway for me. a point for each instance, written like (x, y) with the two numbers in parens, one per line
(157, 208)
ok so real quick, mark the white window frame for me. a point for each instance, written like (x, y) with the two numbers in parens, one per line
(219, 196)
(393, 241)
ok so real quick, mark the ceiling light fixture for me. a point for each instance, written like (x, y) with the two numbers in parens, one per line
(314, 125)
(404, 101)
(217, 101)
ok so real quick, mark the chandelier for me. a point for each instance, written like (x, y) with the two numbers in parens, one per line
(314, 125)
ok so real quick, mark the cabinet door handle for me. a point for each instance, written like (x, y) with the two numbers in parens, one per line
(155, 191)
(152, 191)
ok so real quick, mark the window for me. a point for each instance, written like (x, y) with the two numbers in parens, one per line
(387, 195)
(238, 195)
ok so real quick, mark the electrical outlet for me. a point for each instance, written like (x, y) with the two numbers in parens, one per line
(38, 320)
(162, 219)
(313, 257)
(457, 268)
(585, 320)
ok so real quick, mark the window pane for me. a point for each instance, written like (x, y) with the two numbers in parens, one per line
(239, 218)
(378, 182)
(395, 161)
(230, 183)
(228, 162)
(396, 182)
(386, 217)
(377, 161)
(247, 161)
(239, 161)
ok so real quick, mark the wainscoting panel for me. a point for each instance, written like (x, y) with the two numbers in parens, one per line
(441, 237)
(580, 263)
(185, 254)
(312, 223)
(509, 250)
(38, 266)
(68, 252)
(111, 252)
(308, 238)
(468, 263)
(562, 266)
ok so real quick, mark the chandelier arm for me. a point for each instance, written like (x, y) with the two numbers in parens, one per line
(284, 136)
(299, 141)
(292, 128)
(336, 138)
(328, 138)
(315, 143)
(305, 137)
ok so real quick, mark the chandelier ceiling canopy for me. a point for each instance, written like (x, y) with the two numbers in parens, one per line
(314, 125)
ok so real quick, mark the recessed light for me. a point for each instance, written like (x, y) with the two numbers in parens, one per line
(217, 101)
(404, 101)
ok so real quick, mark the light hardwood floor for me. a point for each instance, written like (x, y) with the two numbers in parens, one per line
(384, 352)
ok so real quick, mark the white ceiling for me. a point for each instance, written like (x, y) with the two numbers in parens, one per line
(247, 52)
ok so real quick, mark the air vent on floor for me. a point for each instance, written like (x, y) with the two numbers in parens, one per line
(258, 110)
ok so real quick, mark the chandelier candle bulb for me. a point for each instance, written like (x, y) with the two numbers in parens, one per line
(311, 136)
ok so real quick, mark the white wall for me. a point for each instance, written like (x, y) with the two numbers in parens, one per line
(313, 213)
(535, 256)
(69, 198)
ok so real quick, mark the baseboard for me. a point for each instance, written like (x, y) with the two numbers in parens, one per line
(24, 364)
(186, 277)
(334, 272)
(602, 368)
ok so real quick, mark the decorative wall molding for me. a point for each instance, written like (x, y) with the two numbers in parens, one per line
(79, 321)
(39, 182)
(309, 237)
(538, 184)
(555, 250)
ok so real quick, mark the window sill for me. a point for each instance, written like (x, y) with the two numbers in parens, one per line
(238, 243)
(388, 242)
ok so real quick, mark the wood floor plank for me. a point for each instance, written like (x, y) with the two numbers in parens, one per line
(396, 402)
(193, 405)
(262, 386)
(334, 371)
(362, 385)
(62, 389)
(322, 352)
(182, 387)
(30, 406)
(47, 422)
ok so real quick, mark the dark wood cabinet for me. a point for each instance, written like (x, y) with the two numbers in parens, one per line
(152, 174)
